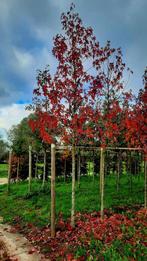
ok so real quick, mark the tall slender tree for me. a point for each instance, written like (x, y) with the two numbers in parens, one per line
(61, 102)
(67, 105)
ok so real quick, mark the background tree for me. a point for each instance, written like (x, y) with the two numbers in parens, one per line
(136, 120)
(3, 150)
(109, 101)
(20, 137)
(136, 124)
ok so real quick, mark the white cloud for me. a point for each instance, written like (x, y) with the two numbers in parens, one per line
(12, 115)
(24, 59)
(25, 63)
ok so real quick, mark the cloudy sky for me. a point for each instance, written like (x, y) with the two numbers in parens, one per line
(26, 31)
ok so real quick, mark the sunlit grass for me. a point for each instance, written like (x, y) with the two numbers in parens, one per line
(3, 170)
(35, 207)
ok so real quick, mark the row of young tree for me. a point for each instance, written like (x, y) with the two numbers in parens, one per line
(87, 158)
(85, 103)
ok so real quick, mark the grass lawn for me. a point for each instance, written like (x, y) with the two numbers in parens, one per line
(35, 207)
(3, 170)
(119, 237)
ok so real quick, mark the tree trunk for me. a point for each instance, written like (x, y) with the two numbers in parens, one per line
(118, 171)
(36, 168)
(18, 168)
(145, 182)
(79, 169)
(53, 196)
(73, 188)
(102, 181)
(118, 175)
(130, 168)
(30, 168)
(9, 170)
(64, 169)
(100, 173)
(44, 170)
(93, 168)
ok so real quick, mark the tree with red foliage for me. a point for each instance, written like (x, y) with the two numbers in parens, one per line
(62, 102)
(108, 104)
(68, 104)
(136, 120)
(136, 124)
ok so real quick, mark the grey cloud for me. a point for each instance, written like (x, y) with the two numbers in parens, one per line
(27, 28)
(124, 23)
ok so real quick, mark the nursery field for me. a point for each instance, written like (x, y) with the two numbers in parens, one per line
(120, 236)
(35, 207)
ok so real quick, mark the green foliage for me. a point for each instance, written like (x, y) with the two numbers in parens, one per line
(90, 168)
(3, 170)
(3, 150)
(21, 136)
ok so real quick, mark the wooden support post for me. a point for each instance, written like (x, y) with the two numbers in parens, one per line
(18, 163)
(30, 168)
(36, 167)
(44, 169)
(145, 182)
(93, 167)
(102, 182)
(118, 175)
(64, 169)
(9, 170)
(73, 188)
(118, 170)
(100, 186)
(79, 168)
(53, 175)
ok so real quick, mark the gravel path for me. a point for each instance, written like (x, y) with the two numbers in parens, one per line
(3, 181)
(16, 246)
(3, 251)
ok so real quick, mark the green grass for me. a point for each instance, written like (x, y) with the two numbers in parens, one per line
(3, 170)
(35, 207)
(117, 251)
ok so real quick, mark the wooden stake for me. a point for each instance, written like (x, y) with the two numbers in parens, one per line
(44, 169)
(79, 168)
(18, 169)
(30, 168)
(102, 182)
(73, 188)
(36, 167)
(93, 167)
(145, 182)
(9, 170)
(53, 174)
(64, 169)
(118, 171)
(100, 173)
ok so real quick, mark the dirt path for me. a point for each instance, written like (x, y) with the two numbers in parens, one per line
(3, 181)
(17, 246)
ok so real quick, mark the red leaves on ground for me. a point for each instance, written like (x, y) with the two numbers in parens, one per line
(88, 226)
